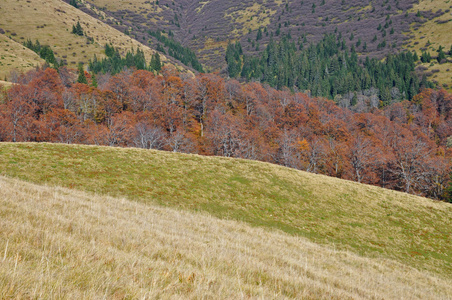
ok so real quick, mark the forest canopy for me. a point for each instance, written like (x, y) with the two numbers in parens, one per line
(328, 69)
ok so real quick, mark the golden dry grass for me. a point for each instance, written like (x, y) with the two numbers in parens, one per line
(253, 17)
(367, 220)
(66, 244)
(133, 5)
(14, 56)
(437, 34)
(55, 18)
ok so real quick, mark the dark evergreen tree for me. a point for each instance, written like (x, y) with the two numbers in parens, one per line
(426, 57)
(233, 58)
(441, 54)
(156, 64)
(93, 80)
(77, 29)
(109, 50)
(81, 75)
(259, 35)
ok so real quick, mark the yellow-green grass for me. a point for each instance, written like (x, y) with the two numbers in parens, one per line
(367, 220)
(51, 23)
(14, 56)
(435, 33)
(133, 5)
(57, 243)
(252, 18)
(442, 73)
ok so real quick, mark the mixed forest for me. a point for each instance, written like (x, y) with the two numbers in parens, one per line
(403, 145)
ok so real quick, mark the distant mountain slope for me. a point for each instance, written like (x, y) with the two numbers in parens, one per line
(430, 34)
(368, 220)
(208, 25)
(60, 243)
(51, 23)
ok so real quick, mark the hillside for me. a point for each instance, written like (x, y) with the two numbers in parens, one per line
(15, 56)
(430, 35)
(366, 220)
(60, 243)
(51, 23)
(207, 26)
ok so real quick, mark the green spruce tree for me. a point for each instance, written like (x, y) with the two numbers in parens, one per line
(81, 75)
(156, 64)
(77, 29)
(93, 80)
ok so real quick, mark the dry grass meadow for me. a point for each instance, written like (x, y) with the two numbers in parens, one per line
(51, 23)
(367, 220)
(57, 243)
(14, 56)
(437, 32)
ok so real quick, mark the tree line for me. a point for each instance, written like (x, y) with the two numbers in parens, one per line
(114, 63)
(404, 146)
(44, 51)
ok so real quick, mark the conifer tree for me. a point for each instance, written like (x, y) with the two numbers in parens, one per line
(156, 64)
(81, 75)
(441, 54)
(93, 80)
(259, 35)
(77, 29)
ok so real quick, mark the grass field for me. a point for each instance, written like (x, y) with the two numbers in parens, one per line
(367, 220)
(57, 243)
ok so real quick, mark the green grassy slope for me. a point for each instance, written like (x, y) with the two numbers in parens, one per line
(368, 220)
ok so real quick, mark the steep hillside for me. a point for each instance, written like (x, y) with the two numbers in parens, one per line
(432, 33)
(371, 221)
(51, 23)
(207, 26)
(60, 243)
(15, 56)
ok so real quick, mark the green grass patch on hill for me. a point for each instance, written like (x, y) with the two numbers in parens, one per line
(368, 220)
